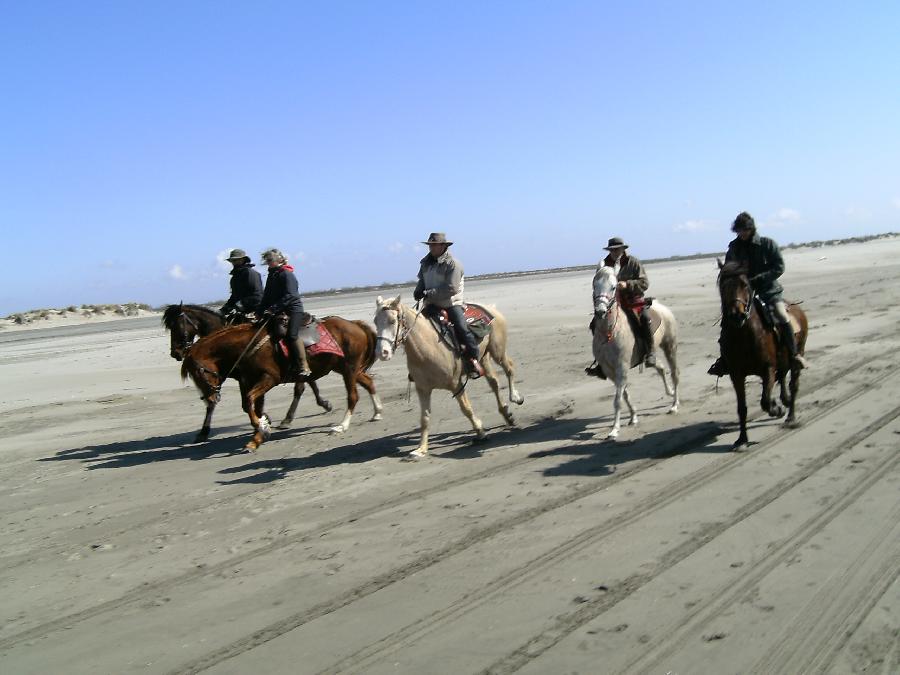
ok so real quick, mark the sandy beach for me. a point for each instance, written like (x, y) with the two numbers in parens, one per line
(127, 548)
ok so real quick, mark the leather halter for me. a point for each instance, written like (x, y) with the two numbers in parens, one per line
(744, 315)
(185, 343)
(612, 301)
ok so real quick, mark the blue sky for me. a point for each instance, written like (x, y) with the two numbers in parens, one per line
(138, 141)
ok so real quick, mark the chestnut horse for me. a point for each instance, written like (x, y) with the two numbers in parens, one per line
(751, 348)
(187, 322)
(247, 350)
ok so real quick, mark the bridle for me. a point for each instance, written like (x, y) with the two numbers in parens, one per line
(743, 315)
(216, 389)
(402, 330)
(186, 319)
(609, 301)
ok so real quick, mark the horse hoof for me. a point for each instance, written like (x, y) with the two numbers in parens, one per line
(740, 446)
(415, 455)
(480, 438)
(327, 406)
(633, 421)
(519, 401)
(672, 410)
(792, 423)
(201, 438)
(285, 424)
(376, 417)
(251, 446)
(338, 429)
(612, 435)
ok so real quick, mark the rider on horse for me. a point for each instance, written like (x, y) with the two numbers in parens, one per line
(764, 263)
(246, 286)
(282, 294)
(632, 285)
(441, 285)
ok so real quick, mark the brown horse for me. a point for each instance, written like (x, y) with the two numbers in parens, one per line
(185, 323)
(246, 352)
(751, 348)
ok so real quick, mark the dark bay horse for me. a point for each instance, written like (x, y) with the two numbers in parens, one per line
(185, 323)
(210, 360)
(751, 348)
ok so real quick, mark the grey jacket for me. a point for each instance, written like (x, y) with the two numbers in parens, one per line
(444, 276)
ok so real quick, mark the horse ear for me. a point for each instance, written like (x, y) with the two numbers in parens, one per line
(720, 263)
(395, 302)
(379, 302)
(181, 305)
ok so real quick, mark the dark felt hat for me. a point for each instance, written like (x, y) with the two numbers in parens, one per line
(438, 238)
(615, 242)
(238, 254)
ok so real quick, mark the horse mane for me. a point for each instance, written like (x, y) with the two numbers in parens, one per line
(172, 312)
(370, 338)
(733, 268)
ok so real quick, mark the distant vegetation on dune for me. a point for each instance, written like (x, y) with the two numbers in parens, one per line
(89, 311)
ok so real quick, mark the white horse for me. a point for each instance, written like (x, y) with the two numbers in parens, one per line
(614, 343)
(433, 365)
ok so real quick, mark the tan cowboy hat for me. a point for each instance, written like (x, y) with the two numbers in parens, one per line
(238, 254)
(615, 242)
(438, 238)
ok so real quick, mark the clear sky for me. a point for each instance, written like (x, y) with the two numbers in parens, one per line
(140, 140)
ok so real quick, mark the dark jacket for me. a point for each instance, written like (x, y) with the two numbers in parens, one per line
(282, 292)
(764, 264)
(246, 289)
(444, 275)
(631, 271)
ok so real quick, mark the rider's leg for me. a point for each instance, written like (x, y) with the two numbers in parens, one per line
(647, 335)
(296, 347)
(787, 333)
(720, 367)
(466, 339)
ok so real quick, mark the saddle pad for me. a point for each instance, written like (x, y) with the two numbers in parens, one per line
(477, 314)
(326, 343)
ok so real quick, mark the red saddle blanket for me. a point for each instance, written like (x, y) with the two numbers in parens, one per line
(473, 314)
(326, 344)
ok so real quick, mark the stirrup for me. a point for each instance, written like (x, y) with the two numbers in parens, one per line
(719, 368)
(650, 360)
(473, 369)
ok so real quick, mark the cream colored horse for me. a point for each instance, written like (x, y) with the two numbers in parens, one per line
(614, 344)
(433, 365)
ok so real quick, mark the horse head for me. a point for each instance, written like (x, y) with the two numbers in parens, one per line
(735, 292)
(604, 290)
(388, 325)
(204, 376)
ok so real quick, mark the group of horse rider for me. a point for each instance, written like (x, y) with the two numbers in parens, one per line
(441, 282)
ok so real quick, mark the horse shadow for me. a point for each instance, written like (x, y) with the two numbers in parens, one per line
(121, 454)
(601, 456)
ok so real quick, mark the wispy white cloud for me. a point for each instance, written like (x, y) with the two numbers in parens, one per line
(177, 273)
(396, 247)
(857, 213)
(783, 217)
(694, 226)
(896, 202)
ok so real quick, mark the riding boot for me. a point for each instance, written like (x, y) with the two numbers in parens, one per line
(467, 341)
(790, 343)
(299, 362)
(595, 370)
(720, 367)
(647, 335)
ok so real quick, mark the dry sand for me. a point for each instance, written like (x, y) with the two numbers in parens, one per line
(547, 550)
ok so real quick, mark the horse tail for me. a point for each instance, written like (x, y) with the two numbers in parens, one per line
(370, 339)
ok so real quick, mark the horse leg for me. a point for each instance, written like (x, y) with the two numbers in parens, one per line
(424, 417)
(617, 404)
(255, 399)
(491, 376)
(322, 403)
(783, 390)
(466, 406)
(203, 434)
(633, 419)
(791, 420)
(740, 391)
(768, 402)
(299, 387)
(671, 351)
(507, 364)
(352, 397)
(365, 380)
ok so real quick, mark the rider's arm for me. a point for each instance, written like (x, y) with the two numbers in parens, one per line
(638, 285)
(419, 293)
(452, 284)
(774, 262)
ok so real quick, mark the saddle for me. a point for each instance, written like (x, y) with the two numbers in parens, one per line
(478, 321)
(767, 314)
(315, 336)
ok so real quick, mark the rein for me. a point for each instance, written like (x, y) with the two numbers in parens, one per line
(613, 301)
(398, 338)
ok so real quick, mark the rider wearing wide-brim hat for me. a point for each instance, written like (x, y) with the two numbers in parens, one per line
(246, 285)
(765, 264)
(440, 284)
(282, 294)
(633, 284)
